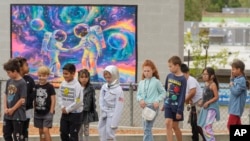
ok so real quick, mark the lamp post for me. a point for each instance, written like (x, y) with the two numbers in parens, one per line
(204, 42)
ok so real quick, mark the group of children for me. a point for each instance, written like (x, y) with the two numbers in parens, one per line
(181, 88)
(76, 98)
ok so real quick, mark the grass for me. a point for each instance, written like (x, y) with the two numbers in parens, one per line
(219, 19)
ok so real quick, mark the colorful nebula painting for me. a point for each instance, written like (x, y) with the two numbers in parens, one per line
(89, 36)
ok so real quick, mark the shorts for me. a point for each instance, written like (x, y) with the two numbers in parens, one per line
(170, 114)
(41, 121)
(233, 120)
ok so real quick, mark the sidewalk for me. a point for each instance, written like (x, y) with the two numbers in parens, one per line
(136, 137)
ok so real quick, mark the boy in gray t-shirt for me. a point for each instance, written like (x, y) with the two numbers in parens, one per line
(14, 102)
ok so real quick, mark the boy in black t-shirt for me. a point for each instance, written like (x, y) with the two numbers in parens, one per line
(44, 104)
(14, 102)
(24, 70)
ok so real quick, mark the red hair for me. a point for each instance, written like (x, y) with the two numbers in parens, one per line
(150, 64)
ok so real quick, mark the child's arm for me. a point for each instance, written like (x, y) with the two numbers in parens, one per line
(139, 96)
(239, 86)
(161, 92)
(59, 97)
(118, 109)
(101, 98)
(78, 99)
(19, 103)
(181, 100)
(53, 103)
(5, 104)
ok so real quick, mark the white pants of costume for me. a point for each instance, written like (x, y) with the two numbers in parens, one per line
(106, 133)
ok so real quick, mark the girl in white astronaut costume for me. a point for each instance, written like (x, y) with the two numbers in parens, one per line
(111, 103)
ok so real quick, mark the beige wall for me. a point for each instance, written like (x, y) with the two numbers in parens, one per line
(160, 29)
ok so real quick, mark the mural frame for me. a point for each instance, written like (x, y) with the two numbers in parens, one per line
(90, 36)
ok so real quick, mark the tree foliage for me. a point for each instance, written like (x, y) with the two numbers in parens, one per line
(195, 8)
(198, 54)
(245, 3)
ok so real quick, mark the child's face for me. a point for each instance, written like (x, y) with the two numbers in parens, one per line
(25, 68)
(236, 71)
(83, 79)
(42, 78)
(68, 76)
(147, 72)
(108, 77)
(173, 68)
(12, 74)
(205, 76)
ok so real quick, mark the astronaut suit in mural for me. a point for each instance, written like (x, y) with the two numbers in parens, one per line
(92, 42)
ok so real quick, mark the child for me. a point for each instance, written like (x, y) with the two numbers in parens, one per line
(14, 102)
(174, 103)
(193, 97)
(44, 104)
(210, 107)
(238, 87)
(24, 70)
(89, 107)
(150, 93)
(70, 99)
(111, 104)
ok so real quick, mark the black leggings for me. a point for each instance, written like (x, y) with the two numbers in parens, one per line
(196, 130)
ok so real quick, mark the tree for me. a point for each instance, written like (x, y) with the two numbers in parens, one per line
(245, 3)
(199, 58)
(193, 11)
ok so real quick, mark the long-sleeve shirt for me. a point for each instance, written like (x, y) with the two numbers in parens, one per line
(238, 96)
(150, 90)
(176, 89)
(70, 96)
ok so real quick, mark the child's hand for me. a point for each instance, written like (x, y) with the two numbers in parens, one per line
(178, 116)
(156, 105)
(64, 110)
(10, 111)
(205, 105)
(231, 84)
(52, 111)
(162, 109)
(142, 104)
(6, 111)
(200, 103)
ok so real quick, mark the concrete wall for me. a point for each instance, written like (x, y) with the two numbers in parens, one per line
(160, 29)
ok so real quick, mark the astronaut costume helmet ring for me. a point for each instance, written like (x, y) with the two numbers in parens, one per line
(113, 70)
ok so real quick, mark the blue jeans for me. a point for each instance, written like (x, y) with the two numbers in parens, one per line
(148, 125)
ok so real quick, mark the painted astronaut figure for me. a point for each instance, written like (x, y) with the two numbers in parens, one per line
(91, 45)
(52, 45)
(111, 103)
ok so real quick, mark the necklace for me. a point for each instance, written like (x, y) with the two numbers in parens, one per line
(146, 88)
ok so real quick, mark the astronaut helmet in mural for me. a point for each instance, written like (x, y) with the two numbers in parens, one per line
(81, 30)
(59, 35)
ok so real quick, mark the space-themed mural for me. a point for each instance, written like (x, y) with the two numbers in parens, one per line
(89, 36)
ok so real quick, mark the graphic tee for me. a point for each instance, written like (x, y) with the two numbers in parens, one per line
(176, 90)
(43, 98)
(15, 90)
